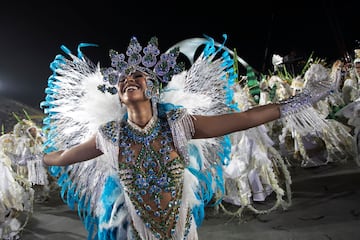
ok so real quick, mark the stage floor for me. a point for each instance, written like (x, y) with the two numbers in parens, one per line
(325, 205)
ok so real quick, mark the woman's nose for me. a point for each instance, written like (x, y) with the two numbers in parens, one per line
(129, 79)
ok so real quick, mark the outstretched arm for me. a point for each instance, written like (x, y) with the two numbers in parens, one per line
(215, 126)
(82, 152)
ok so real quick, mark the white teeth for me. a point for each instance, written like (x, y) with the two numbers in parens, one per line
(131, 88)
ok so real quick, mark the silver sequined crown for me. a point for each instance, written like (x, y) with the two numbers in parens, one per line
(160, 70)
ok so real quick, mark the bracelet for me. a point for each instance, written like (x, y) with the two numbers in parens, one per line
(295, 103)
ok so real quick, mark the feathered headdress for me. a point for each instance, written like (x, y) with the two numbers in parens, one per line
(160, 70)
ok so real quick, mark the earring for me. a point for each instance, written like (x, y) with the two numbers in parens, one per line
(147, 93)
(149, 90)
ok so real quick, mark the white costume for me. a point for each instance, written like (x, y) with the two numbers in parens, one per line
(28, 153)
(16, 194)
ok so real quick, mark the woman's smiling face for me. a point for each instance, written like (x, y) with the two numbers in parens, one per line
(132, 87)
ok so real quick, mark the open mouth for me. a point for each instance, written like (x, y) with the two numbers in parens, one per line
(130, 88)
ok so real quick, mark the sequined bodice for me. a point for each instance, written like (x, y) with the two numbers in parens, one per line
(152, 175)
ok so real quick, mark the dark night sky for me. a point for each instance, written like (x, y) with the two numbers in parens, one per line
(32, 33)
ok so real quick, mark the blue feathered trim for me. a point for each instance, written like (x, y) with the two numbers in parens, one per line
(198, 211)
(226, 147)
(204, 194)
(220, 186)
(55, 170)
(211, 182)
(69, 192)
(47, 106)
(194, 151)
(163, 108)
(230, 74)
(51, 91)
(112, 192)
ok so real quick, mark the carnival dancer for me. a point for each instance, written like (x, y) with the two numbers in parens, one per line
(27, 156)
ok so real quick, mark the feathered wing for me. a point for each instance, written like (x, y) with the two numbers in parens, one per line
(206, 89)
(74, 109)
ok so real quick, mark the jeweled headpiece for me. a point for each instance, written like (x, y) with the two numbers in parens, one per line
(159, 70)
